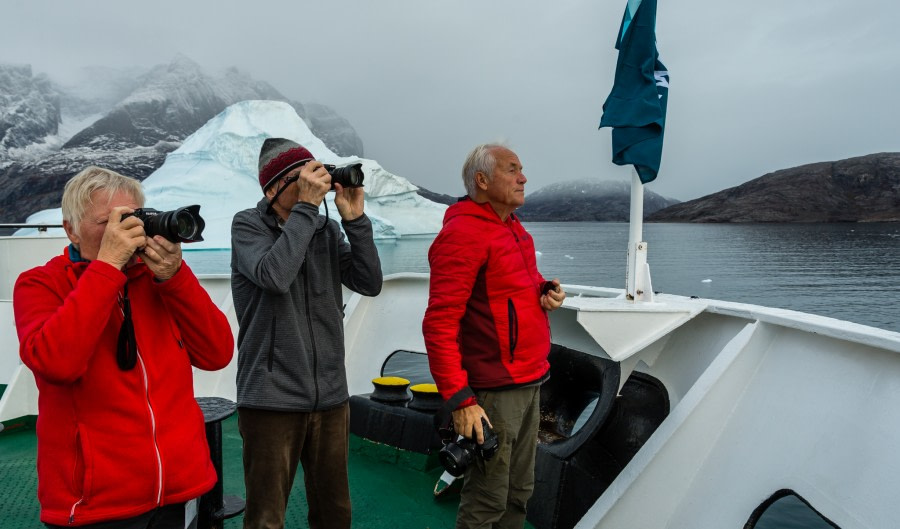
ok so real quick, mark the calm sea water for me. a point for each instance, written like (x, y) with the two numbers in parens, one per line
(846, 271)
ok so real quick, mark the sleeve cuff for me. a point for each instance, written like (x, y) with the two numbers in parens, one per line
(471, 401)
(173, 283)
(108, 271)
(306, 207)
(361, 220)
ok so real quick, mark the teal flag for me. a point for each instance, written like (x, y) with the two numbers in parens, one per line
(636, 106)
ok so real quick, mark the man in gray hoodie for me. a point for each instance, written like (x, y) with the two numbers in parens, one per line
(287, 266)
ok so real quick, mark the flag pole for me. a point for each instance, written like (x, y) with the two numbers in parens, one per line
(637, 272)
(636, 111)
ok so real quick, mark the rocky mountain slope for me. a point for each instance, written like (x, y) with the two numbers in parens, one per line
(43, 142)
(587, 200)
(861, 189)
(170, 102)
(29, 107)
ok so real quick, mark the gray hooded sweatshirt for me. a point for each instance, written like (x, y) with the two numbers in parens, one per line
(286, 284)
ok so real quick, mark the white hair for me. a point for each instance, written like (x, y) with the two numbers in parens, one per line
(77, 198)
(482, 160)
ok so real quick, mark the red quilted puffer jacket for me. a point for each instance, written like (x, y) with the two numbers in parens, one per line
(484, 327)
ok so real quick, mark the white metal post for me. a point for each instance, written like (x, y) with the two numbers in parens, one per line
(637, 273)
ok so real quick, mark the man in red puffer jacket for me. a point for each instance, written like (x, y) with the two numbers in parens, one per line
(487, 333)
(111, 329)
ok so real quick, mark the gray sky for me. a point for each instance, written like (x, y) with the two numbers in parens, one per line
(756, 85)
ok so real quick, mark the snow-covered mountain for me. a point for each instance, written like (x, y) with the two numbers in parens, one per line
(170, 103)
(217, 167)
(92, 91)
(49, 132)
(29, 107)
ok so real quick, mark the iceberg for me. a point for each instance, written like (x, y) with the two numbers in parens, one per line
(217, 167)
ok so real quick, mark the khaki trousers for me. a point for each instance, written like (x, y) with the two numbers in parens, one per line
(495, 492)
(274, 444)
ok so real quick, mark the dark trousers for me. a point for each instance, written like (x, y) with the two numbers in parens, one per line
(495, 492)
(274, 444)
(168, 517)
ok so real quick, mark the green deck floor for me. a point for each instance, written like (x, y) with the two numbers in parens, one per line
(388, 488)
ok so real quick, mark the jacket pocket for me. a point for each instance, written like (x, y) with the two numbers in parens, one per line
(513, 328)
(82, 471)
(176, 333)
(270, 357)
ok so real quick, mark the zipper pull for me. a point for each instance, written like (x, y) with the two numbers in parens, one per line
(72, 512)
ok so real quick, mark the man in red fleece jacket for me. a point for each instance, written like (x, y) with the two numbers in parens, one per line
(486, 329)
(111, 329)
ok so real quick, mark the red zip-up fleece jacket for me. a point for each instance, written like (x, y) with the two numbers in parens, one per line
(484, 327)
(113, 444)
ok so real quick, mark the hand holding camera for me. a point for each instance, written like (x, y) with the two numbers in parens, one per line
(457, 456)
(162, 257)
(123, 236)
(468, 421)
(552, 295)
(347, 182)
(313, 182)
(350, 201)
(164, 231)
(317, 179)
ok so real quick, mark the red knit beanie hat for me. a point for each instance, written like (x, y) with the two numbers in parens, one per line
(278, 156)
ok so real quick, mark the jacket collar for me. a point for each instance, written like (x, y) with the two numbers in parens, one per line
(268, 217)
(484, 210)
(74, 255)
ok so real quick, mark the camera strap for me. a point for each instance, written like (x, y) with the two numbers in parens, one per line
(443, 418)
(281, 189)
(126, 347)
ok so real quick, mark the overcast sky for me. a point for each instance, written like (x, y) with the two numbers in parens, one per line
(756, 85)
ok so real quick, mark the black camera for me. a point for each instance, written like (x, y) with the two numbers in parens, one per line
(179, 225)
(457, 456)
(347, 176)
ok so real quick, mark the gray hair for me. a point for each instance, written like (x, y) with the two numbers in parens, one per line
(481, 159)
(77, 194)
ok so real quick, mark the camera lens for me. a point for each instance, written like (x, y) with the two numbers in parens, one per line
(349, 176)
(185, 226)
(455, 458)
(179, 225)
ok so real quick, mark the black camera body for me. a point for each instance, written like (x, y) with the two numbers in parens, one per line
(457, 456)
(179, 225)
(347, 176)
